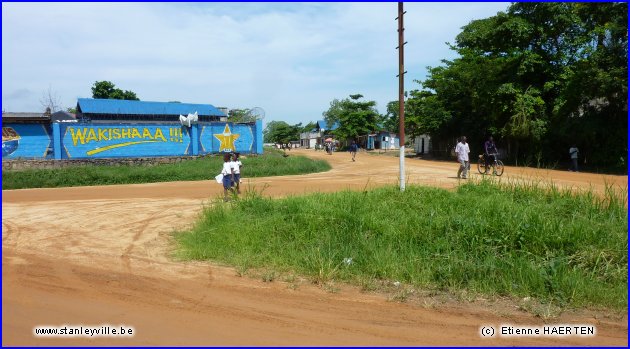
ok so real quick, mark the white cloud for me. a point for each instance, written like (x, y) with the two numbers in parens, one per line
(290, 59)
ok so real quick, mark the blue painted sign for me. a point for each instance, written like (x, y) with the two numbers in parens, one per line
(25, 141)
(80, 141)
(227, 137)
(117, 140)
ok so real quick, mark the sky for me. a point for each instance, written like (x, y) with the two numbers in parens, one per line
(291, 59)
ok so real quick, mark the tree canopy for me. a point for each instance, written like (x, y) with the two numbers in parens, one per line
(308, 127)
(107, 90)
(240, 115)
(538, 77)
(279, 132)
(355, 117)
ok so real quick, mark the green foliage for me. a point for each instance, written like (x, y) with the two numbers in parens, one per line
(539, 77)
(272, 163)
(527, 114)
(355, 117)
(392, 118)
(107, 90)
(279, 132)
(240, 115)
(514, 240)
(424, 113)
(308, 127)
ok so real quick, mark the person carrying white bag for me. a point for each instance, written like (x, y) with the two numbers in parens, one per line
(226, 176)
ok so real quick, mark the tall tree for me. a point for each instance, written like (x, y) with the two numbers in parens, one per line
(107, 90)
(355, 117)
(279, 132)
(308, 127)
(540, 76)
(391, 120)
(50, 101)
(424, 113)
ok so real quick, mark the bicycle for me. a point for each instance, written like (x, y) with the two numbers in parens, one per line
(497, 165)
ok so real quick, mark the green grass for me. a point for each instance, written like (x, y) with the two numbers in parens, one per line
(272, 163)
(500, 240)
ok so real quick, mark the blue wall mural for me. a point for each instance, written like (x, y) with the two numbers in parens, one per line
(113, 140)
(227, 137)
(26, 141)
(116, 140)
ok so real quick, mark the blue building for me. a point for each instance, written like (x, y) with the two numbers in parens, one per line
(381, 140)
(96, 110)
(109, 128)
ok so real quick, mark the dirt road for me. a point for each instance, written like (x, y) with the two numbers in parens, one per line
(101, 255)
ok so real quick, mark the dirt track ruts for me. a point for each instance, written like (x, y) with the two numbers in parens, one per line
(100, 255)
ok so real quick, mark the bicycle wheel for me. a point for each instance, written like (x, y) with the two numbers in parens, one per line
(498, 168)
(481, 166)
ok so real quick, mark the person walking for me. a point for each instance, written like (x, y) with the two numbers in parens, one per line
(353, 150)
(228, 175)
(462, 151)
(573, 152)
(237, 165)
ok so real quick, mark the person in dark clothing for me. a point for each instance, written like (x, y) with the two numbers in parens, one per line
(489, 151)
(353, 149)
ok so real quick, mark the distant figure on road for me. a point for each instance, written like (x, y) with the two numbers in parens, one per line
(573, 152)
(353, 149)
(462, 151)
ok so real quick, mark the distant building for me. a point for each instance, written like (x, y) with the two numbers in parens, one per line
(318, 134)
(422, 144)
(22, 118)
(381, 140)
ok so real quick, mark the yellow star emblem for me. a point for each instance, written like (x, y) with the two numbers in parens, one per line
(227, 139)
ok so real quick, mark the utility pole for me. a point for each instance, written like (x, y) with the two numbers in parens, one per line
(401, 92)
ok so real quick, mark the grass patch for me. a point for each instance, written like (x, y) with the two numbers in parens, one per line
(486, 238)
(272, 163)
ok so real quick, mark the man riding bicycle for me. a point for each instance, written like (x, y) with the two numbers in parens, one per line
(489, 151)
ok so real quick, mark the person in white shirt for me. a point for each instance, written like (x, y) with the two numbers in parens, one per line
(228, 175)
(462, 151)
(237, 165)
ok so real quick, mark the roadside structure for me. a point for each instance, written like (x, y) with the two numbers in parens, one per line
(110, 128)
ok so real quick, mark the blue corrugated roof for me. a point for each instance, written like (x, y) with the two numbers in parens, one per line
(324, 126)
(118, 106)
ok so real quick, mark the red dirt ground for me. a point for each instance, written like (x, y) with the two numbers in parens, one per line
(100, 255)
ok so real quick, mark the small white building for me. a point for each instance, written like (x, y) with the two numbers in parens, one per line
(316, 135)
(422, 144)
(309, 139)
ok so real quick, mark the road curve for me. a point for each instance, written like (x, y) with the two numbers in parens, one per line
(103, 255)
